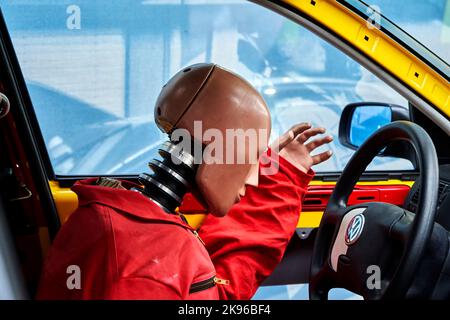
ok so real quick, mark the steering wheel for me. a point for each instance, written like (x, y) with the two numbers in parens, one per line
(373, 249)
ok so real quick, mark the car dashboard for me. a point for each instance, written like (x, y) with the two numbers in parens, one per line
(443, 205)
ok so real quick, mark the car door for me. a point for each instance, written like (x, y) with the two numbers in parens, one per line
(89, 74)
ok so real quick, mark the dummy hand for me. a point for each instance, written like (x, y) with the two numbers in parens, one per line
(293, 147)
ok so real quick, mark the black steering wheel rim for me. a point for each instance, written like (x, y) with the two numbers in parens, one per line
(423, 221)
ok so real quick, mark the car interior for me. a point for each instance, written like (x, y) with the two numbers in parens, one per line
(407, 212)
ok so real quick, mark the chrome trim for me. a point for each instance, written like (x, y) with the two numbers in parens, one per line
(173, 173)
(159, 185)
(159, 205)
(184, 157)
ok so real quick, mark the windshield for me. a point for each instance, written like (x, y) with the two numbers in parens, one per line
(95, 68)
(422, 26)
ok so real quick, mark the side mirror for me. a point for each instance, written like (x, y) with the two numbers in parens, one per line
(359, 120)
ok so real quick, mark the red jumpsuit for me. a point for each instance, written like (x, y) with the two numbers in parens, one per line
(126, 247)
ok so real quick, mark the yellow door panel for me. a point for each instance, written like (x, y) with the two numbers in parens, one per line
(66, 200)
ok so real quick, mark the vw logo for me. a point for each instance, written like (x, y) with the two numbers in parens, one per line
(354, 229)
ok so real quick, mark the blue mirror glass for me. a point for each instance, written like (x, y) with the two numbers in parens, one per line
(366, 120)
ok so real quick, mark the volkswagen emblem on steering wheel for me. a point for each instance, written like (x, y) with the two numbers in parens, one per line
(354, 229)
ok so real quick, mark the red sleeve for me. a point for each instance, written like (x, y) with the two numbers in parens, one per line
(248, 243)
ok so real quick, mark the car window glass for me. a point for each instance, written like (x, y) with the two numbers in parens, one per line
(94, 70)
(423, 26)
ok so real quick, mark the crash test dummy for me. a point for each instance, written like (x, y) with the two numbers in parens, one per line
(129, 241)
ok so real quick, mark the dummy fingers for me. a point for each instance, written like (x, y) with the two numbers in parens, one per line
(299, 128)
(321, 157)
(282, 141)
(318, 142)
(289, 136)
(302, 138)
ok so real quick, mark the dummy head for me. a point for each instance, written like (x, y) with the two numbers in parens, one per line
(229, 121)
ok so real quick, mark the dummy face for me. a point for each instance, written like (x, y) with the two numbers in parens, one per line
(223, 185)
(223, 181)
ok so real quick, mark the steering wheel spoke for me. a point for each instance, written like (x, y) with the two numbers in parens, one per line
(402, 228)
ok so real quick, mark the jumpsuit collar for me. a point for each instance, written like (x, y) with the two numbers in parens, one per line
(125, 201)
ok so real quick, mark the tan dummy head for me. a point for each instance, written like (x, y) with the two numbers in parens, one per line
(221, 101)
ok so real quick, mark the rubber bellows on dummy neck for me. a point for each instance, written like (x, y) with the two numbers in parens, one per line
(172, 176)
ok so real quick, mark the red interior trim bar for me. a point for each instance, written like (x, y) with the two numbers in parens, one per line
(317, 197)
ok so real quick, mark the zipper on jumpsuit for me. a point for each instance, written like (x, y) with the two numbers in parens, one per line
(208, 283)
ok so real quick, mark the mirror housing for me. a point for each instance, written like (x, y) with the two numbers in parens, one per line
(360, 120)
